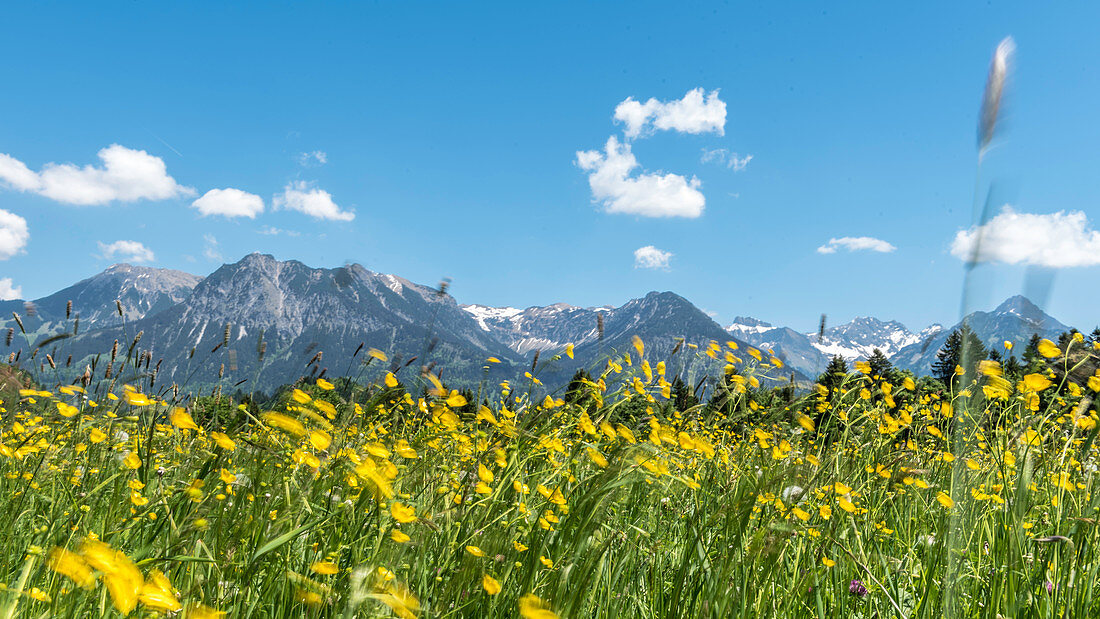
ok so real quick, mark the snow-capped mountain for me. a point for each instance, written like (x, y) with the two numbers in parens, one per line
(853, 340)
(794, 347)
(1015, 320)
(748, 326)
(538, 328)
(661, 319)
(860, 337)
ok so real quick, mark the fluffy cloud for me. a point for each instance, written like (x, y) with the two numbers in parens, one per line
(126, 175)
(695, 113)
(8, 291)
(723, 156)
(649, 257)
(1056, 240)
(856, 243)
(313, 159)
(129, 251)
(13, 234)
(230, 203)
(17, 175)
(303, 197)
(648, 195)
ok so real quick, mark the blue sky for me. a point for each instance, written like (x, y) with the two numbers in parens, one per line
(452, 133)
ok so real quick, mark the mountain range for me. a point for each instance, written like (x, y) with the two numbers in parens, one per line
(260, 322)
(1015, 320)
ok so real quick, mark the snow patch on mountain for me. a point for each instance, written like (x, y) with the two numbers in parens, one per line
(859, 338)
(746, 325)
(481, 313)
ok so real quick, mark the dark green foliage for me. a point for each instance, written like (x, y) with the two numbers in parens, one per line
(1033, 361)
(682, 397)
(963, 348)
(219, 411)
(880, 365)
(835, 373)
(579, 391)
(1013, 370)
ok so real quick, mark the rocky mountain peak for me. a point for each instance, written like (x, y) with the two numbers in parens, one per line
(1021, 306)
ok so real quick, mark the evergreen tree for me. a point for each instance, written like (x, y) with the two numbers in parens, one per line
(1095, 336)
(1033, 361)
(961, 341)
(947, 359)
(682, 397)
(823, 405)
(468, 411)
(1066, 337)
(577, 390)
(835, 373)
(880, 365)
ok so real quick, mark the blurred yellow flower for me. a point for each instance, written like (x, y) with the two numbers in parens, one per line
(1048, 349)
(531, 607)
(182, 419)
(490, 584)
(324, 568)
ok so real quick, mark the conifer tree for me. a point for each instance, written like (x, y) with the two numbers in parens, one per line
(961, 341)
(880, 365)
(682, 397)
(835, 373)
(576, 391)
(1033, 361)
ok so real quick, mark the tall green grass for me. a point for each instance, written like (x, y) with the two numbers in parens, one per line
(821, 506)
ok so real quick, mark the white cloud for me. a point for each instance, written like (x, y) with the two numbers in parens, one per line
(313, 159)
(8, 291)
(210, 250)
(230, 203)
(649, 257)
(856, 243)
(1056, 240)
(129, 251)
(126, 175)
(648, 195)
(272, 231)
(695, 113)
(16, 174)
(303, 197)
(13, 234)
(723, 156)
